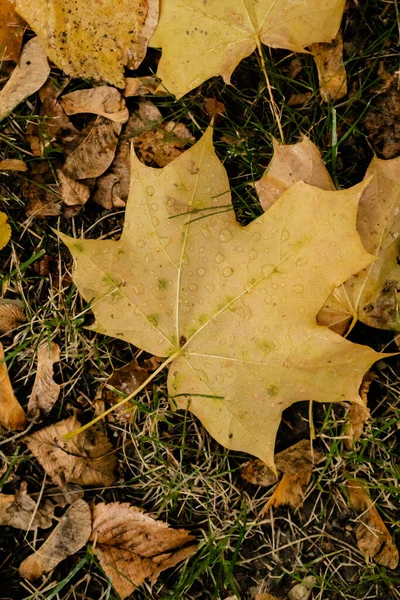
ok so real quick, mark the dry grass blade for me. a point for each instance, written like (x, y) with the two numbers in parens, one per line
(45, 390)
(86, 459)
(12, 415)
(132, 546)
(373, 538)
(70, 535)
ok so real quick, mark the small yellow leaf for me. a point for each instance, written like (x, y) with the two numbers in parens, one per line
(331, 70)
(201, 39)
(12, 29)
(5, 230)
(12, 164)
(90, 41)
(12, 415)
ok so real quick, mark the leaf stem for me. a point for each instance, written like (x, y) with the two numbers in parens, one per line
(272, 102)
(166, 362)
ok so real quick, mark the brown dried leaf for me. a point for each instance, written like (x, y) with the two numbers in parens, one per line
(96, 153)
(12, 164)
(289, 164)
(358, 415)
(299, 99)
(112, 188)
(296, 459)
(12, 29)
(22, 512)
(45, 390)
(331, 70)
(265, 597)
(28, 76)
(54, 128)
(155, 141)
(140, 86)
(41, 200)
(302, 591)
(70, 535)
(104, 100)
(132, 546)
(213, 107)
(73, 193)
(125, 380)
(290, 491)
(11, 317)
(86, 459)
(67, 494)
(382, 122)
(12, 415)
(373, 538)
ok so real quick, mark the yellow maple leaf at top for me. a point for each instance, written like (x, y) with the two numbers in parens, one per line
(204, 38)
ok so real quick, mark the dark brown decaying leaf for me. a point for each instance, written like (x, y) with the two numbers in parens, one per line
(11, 316)
(112, 188)
(73, 193)
(67, 494)
(96, 153)
(42, 199)
(70, 535)
(54, 127)
(104, 100)
(28, 76)
(12, 415)
(382, 121)
(22, 512)
(12, 29)
(86, 459)
(124, 380)
(373, 538)
(45, 390)
(132, 546)
(156, 142)
(296, 459)
(331, 70)
(12, 164)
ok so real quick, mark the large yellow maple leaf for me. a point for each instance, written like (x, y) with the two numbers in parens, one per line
(204, 38)
(233, 309)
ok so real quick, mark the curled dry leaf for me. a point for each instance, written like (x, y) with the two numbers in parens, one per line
(289, 164)
(73, 193)
(358, 415)
(371, 295)
(93, 44)
(112, 188)
(201, 40)
(373, 538)
(12, 29)
(140, 86)
(95, 154)
(243, 344)
(331, 70)
(22, 512)
(5, 230)
(12, 164)
(86, 459)
(69, 536)
(156, 142)
(28, 76)
(11, 317)
(290, 491)
(132, 546)
(12, 415)
(45, 390)
(105, 101)
(296, 459)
